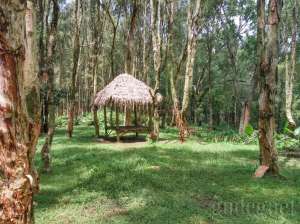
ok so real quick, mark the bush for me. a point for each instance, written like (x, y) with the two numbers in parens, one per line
(285, 142)
(61, 121)
(249, 130)
(222, 134)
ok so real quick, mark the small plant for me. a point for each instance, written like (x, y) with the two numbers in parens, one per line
(249, 130)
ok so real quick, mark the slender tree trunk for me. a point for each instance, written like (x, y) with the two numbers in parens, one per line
(19, 114)
(194, 16)
(290, 70)
(145, 63)
(52, 38)
(245, 117)
(267, 83)
(129, 54)
(210, 95)
(76, 52)
(156, 44)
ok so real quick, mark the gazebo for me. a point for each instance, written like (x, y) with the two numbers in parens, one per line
(126, 94)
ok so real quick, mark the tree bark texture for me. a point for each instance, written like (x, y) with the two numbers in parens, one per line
(19, 114)
(51, 44)
(267, 84)
(291, 70)
(76, 52)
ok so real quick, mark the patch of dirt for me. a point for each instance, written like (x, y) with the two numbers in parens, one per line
(104, 207)
(115, 212)
(123, 139)
(291, 154)
(205, 201)
(169, 141)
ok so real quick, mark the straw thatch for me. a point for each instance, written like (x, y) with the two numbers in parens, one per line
(125, 91)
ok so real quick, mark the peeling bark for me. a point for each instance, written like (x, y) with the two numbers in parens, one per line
(156, 44)
(267, 82)
(19, 117)
(194, 15)
(51, 43)
(291, 70)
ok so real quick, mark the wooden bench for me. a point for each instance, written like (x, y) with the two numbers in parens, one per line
(126, 129)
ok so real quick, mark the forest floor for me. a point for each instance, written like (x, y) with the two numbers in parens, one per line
(165, 182)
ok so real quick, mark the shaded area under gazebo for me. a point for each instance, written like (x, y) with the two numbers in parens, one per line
(129, 95)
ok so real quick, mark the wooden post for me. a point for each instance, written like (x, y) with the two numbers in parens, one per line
(117, 123)
(105, 121)
(135, 121)
(111, 117)
(150, 119)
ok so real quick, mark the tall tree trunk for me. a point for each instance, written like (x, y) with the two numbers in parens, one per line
(52, 38)
(156, 44)
(145, 63)
(76, 52)
(210, 86)
(194, 15)
(267, 83)
(290, 70)
(175, 70)
(129, 54)
(19, 113)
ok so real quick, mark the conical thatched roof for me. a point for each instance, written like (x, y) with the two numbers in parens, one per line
(125, 91)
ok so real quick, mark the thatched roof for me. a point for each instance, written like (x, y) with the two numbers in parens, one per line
(125, 91)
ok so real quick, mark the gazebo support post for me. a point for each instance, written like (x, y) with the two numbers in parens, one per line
(150, 120)
(111, 117)
(117, 124)
(105, 121)
(135, 121)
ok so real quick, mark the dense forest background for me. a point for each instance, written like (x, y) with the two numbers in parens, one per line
(223, 82)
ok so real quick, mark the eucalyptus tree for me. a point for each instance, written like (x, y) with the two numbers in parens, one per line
(268, 49)
(76, 54)
(48, 72)
(19, 111)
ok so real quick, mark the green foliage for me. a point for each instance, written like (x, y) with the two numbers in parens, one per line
(86, 119)
(286, 142)
(225, 134)
(249, 130)
(61, 121)
(287, 130)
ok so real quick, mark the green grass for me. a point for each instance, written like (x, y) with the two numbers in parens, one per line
(166, 182)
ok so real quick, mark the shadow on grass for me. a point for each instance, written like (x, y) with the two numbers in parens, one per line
(172, 180)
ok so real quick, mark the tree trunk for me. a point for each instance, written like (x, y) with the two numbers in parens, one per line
(145, 63)
(194, 16)
(210, 86)
(267, 83)
(290, 70)
(19, 114)
(96, 121)
(52, 38)
(245, 117)
(129, 55)
(156, 44)
(76, 52)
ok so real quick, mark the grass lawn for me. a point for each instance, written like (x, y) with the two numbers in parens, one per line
(166, 182)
